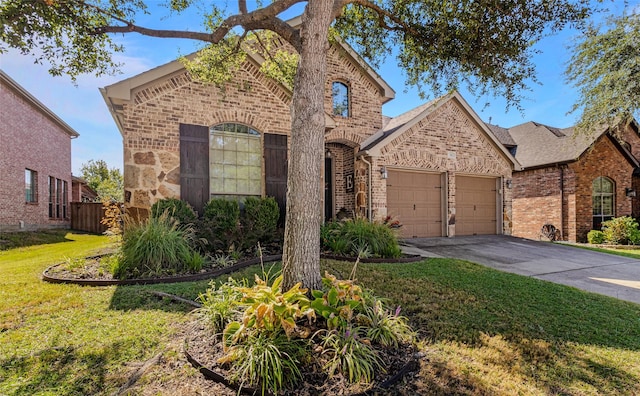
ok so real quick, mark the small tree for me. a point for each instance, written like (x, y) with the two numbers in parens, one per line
(108, 183)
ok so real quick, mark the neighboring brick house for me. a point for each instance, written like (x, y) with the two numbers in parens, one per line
(81, 192)
(571, 182)
(35, 162)
(188, 140)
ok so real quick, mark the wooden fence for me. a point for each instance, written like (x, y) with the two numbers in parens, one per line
(86, 216)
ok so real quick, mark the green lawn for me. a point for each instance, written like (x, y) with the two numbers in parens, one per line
(483, 331)
(619, 251)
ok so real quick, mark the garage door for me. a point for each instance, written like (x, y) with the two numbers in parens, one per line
(415, 198)
(475, 205)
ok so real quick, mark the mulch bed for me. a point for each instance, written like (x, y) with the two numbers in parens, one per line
(91, 275)
(203, 349)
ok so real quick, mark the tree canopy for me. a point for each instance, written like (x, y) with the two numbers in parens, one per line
(108, 183)
(485, 44)
(605, 66)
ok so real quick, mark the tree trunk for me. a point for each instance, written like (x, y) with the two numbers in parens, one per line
(301, 251)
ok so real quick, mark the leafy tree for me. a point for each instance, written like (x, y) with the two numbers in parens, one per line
(108, 183)
(605, 66)
(485, 44)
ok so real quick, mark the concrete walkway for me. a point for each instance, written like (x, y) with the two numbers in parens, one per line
(607, 274)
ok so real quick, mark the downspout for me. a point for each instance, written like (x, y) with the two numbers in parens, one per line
(364, 159)
(561, 203)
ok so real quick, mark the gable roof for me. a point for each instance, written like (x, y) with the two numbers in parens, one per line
(36, 104)
(398, 125)
(115, 95)
(540, 145)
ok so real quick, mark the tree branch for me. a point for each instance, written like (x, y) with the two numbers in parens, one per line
(382, 14)
(260, 19)
(242, 6)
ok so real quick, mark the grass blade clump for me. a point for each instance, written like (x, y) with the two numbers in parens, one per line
(156, 246)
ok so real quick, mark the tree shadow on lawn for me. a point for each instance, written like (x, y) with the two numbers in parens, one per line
(12, 240)
(489, 332)
(68, 370)
(139, 297)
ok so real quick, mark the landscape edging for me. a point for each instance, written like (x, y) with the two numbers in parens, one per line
(151, 281)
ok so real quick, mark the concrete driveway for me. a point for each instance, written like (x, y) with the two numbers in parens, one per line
(607, 274)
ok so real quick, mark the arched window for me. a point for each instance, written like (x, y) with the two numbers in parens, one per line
(340, 96)
(235, 161)
(603, 193)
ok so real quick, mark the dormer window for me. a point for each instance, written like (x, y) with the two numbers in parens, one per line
(340, 96)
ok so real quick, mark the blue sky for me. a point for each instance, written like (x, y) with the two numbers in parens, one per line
(83, 108)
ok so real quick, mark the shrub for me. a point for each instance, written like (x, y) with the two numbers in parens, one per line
(220, 225)
(595, 237)
(155, 247)
(178, 209)
(621, 230)
(260, 219)
(223, 212)
(357, 235)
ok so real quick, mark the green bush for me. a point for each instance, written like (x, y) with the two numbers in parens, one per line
(260, 219)
(220, 225)
(353, 236)
(621, 230)
(179, 210)
(595, 237)
(155, 247)
(223, 212)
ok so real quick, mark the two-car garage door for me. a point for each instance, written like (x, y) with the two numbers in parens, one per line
(417, 200)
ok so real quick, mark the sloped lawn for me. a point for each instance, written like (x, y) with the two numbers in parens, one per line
(483, 331)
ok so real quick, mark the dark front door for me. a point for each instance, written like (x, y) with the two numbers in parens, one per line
(275, 164)
(328, 189)
(194, 165)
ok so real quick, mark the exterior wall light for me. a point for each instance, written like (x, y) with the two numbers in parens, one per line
(383, 172)
(508, 183)
(629, 192)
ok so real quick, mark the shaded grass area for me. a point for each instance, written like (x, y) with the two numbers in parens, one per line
(484, 331)
(12, 240)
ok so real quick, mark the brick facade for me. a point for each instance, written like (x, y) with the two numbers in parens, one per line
(561, 195)
(30, 138)
(447, 141)
(150, 113)
(151, 121)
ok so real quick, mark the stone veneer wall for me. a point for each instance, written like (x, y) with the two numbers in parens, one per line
(151, 121)
(447, 140)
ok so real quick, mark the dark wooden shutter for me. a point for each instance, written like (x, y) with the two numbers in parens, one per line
(275, 163)
(194, 165)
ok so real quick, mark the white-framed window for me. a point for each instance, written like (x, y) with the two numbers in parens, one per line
(235, 161)
(30, 186)
(340, 98)
(604, 202)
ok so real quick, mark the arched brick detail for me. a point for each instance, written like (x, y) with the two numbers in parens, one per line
(238, 117)
(348, 137)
